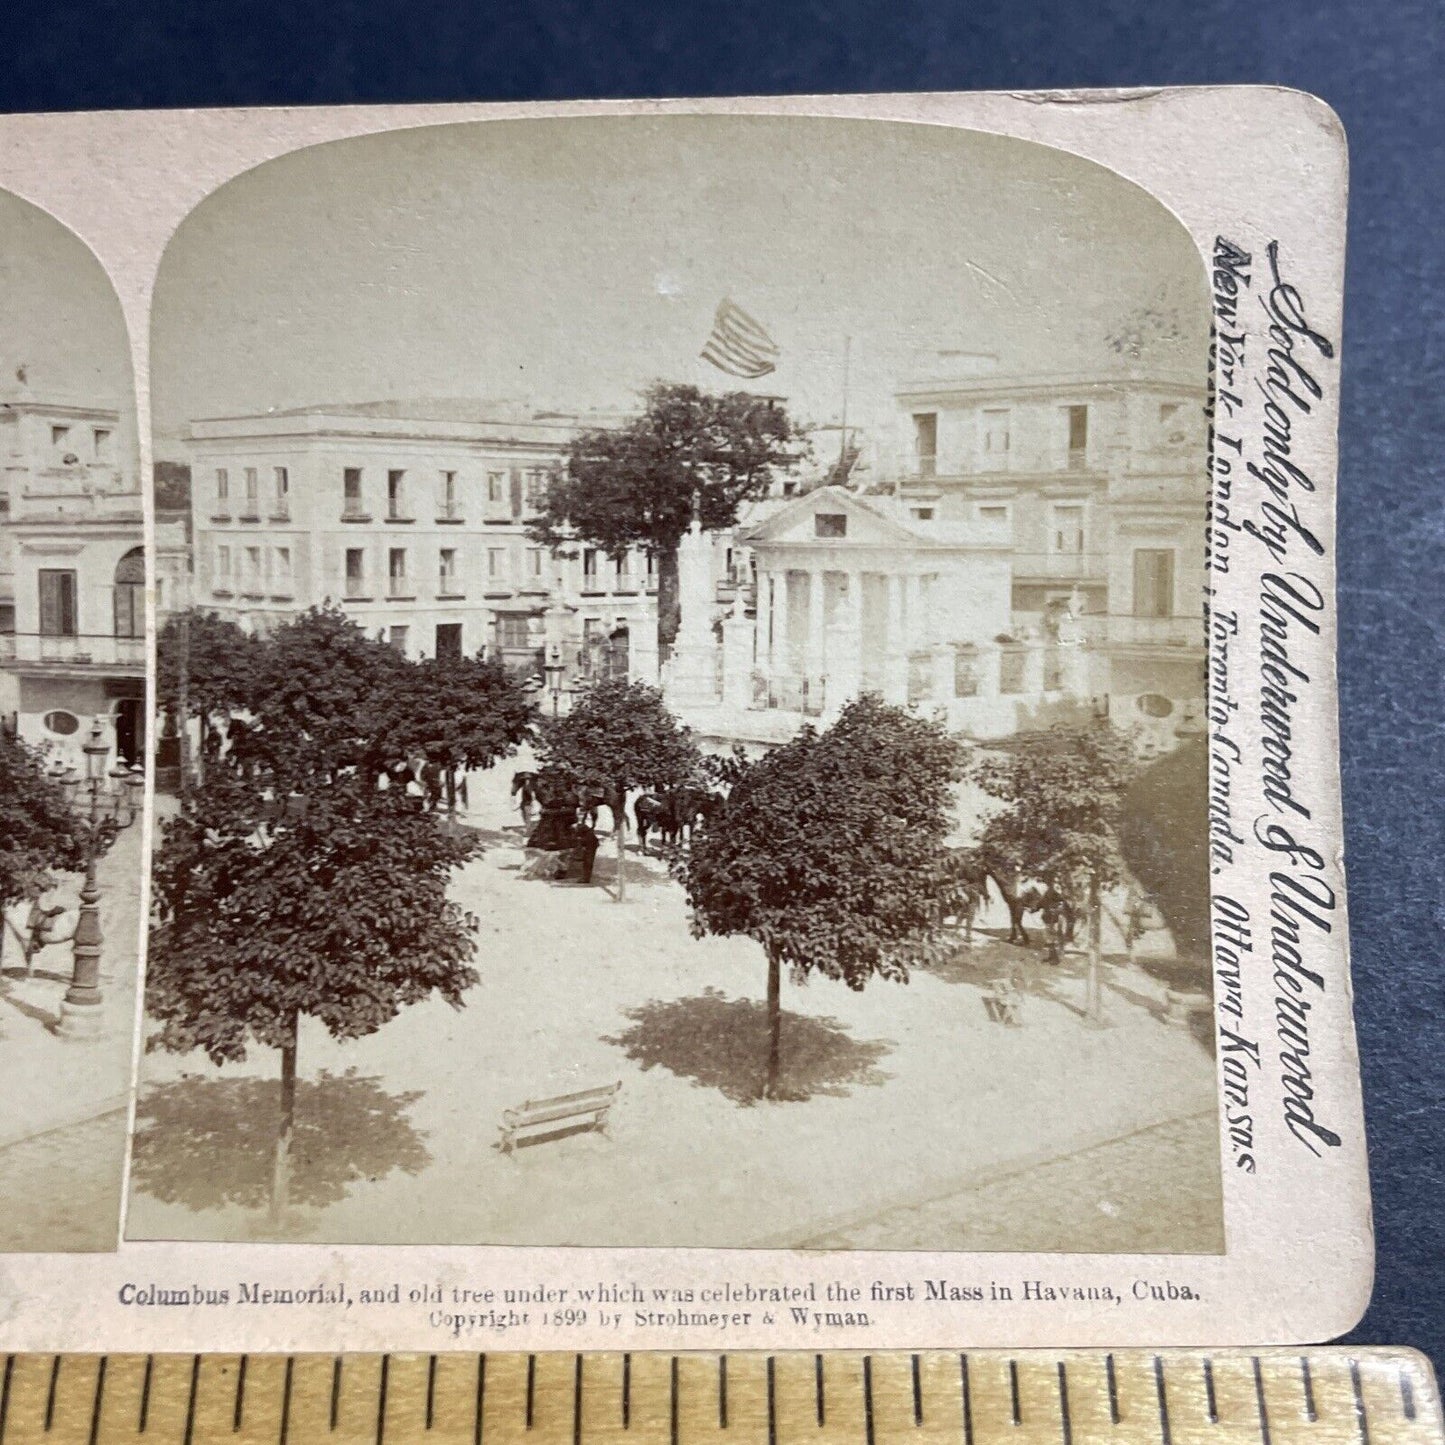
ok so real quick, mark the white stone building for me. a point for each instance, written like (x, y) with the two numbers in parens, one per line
(412, 518)
(72, 577)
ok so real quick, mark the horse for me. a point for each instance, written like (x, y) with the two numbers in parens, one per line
(674, 814)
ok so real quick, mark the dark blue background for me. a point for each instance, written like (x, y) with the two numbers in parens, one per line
(1379, 64)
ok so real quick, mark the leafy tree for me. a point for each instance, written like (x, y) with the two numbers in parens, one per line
(172, 486)
(620, 736)
(1062, 793)
(830, 852)
(634, 485)
(332, 906)
(458, 713)
(205, 667)
(39, 834)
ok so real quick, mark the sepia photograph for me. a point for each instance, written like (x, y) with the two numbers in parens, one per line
(680, 697)
(73, 738)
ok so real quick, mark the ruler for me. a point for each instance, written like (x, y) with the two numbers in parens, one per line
(1077, 1397)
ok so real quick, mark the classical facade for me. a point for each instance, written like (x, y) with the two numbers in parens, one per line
(412, 518)
(72, 578)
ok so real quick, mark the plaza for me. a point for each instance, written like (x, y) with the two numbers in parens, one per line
(897, 1099)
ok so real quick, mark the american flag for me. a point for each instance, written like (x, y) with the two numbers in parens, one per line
(738, 345)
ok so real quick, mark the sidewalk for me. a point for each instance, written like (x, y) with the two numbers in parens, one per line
(62, 1126)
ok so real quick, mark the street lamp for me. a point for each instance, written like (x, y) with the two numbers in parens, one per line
(555, 669)
(104, 803)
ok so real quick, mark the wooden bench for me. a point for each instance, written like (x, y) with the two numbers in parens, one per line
(539, 1120)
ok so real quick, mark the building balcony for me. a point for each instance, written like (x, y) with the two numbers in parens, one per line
(357, 589)
(449, 514)
(400, 589)
(449, 587)
(1060, 566)
(81, 651)
(1174, 633)
(281, 512)
(355, 512)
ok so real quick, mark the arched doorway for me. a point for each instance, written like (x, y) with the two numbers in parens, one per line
(129, 593)
(130, 730)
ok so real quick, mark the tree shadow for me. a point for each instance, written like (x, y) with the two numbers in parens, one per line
(722, 1043)
(207, 1143)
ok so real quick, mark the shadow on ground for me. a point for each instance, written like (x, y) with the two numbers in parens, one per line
(206, 1143)
(722, 1043)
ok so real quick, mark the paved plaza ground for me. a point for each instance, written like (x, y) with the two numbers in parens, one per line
(911, 1120)
(63, 1124)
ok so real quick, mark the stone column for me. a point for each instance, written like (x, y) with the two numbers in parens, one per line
(845, 647)
(895, 674)
(763, 612)
(737, 658)
(815, 645)
(781, 662)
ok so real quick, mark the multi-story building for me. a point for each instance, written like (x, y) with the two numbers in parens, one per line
(412, 518)
(72, 577)
(1101, 484)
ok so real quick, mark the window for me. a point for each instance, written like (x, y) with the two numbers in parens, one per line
(252, 489)
(1067, 534)
(447, 569)
(128, 599)
(536, 485)
(589, 569)
(101, 439)
(355, 572)
(1171, 424)
(448, 507)
(995, 437)
(621, 573)
(1077, 419)
(57, 603)
(281, 571)
(512, 630)
(534, 562)
(995, 513)
(399, 637)
(830, 524)
(223, 567)
(62, 724)
(351, 492)
(651, 570)
(59, 436)
(925, 442)
(924, 514)
(281, 481)
(223, 488)
(449, 641)
(396, 496)
(252, 579)
(1153, 582)
(496, 487)
(396, 570)
(497, 564)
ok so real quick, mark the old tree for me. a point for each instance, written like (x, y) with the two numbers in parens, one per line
(634, 485)
(304, 879)
(830, 852)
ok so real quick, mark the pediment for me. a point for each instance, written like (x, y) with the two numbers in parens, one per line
(862, 525)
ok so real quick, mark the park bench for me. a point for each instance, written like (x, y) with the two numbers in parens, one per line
(539, 1120)
(1003, 1002)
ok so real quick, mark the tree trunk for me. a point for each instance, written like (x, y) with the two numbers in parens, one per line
(618, 834)
(669, 601)
(451, 796)
(775, 1023)
(281, 1170)
(1094, 998)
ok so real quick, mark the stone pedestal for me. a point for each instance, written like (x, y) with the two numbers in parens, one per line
(1074, 669)
(738, 661)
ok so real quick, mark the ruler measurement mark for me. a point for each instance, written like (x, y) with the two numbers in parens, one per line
(967, 1401)
(381, 1401)
(191, 1400)
(5, 1394)
(50, 1396)
(335, 1390)
(1066, 1426)
(238, 1409)
(1361, 1418)
(1311, 1413)
(1210, 1400)
(1259, 1397)
(917, 1394)
(818, 1388)
(722, 1392)
(1407, 1394)
(1113, 1381)
(286, 1401)
(627, 1392)
(481, 1398)
(868, 1398)
(772, 1404)
(576, 1401)
(431, 1390)
(95, 1404)
(1162, 1391)
(145, 1395)
(1013, 1390)
(531, 1386)
(672, 1402)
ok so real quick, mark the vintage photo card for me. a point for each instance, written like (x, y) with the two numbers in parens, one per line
(73, 726)
(743, 725)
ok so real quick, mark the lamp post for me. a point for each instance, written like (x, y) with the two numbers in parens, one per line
(104, 804)
(555, 669)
